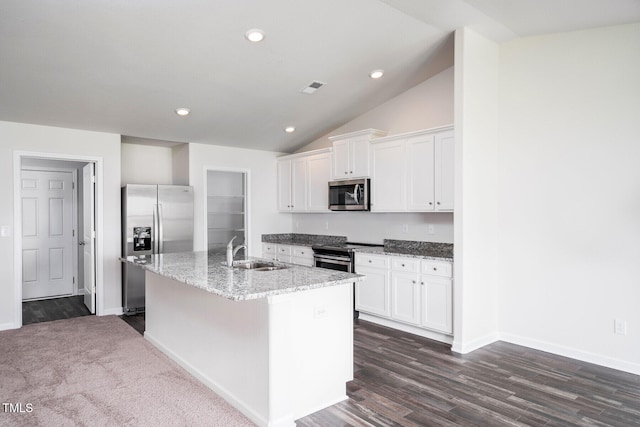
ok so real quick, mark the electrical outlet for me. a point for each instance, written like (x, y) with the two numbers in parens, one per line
(326, 225)
(431, 229)
(320, 312)
(405, 228)
(620, 326)
(297, 224)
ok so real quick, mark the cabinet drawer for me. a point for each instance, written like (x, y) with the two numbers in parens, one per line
(269, 248)
(302, 252)
(370, 260)
(437, 268)
(405, 264)
(284, 250)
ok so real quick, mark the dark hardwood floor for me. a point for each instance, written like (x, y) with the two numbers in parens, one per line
(136, 321)
(405, 380)
(53, 309)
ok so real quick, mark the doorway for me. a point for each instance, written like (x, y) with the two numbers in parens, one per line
(227, 209)
(55, 239)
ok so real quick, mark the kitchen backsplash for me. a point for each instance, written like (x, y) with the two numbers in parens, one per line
(369, 227)
(304, 239)
(444, 250)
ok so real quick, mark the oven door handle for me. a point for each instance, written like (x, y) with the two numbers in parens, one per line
(334, 260)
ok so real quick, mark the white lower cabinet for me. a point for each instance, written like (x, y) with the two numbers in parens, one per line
(406, 290)
(302, 255)
(436, 303)
(373, 295)
(405, 297)
(294, 254)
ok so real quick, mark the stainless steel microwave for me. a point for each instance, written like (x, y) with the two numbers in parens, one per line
(351, 195)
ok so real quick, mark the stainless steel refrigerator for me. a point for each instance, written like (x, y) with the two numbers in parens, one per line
(155, 219)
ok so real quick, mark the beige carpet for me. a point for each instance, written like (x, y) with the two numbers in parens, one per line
(98, 371)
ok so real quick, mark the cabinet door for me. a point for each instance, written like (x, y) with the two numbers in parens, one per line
(444, 170)
(283, 253)
(373, 294)
(269, 250)
(388, 178)
(318, 177)
(405, 297)
(298, 184)
(341, 159)
(420, 173)
(359, 157)
(437, 304)
(284, 185)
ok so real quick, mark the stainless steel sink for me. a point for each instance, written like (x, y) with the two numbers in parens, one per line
(257, 265)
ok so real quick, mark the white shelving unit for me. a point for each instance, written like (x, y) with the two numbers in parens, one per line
(226, 209)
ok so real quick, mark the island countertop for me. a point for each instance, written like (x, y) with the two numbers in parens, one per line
(210, 273)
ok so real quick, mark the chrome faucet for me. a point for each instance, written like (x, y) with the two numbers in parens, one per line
(231, 252)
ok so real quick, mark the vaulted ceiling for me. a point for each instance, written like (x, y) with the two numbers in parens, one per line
(124, 66)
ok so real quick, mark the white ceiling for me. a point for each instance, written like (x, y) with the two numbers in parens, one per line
(124, 66)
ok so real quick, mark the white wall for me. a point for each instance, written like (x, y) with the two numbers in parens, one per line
(476, 227)
(33, 138)
(146, 164)
(428, 105)
(368, 227)
(569, 194)
(262, 190)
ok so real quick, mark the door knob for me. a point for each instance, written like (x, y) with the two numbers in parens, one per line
(81, 243)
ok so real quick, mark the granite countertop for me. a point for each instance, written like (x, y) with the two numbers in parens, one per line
(298, 239)
(210, 273)
(414, 249)
(405, 248)
(381, 250)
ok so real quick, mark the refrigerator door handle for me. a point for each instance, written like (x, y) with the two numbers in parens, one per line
(155, 229)
(160, 230)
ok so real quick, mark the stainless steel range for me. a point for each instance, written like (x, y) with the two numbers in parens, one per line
(339, 257)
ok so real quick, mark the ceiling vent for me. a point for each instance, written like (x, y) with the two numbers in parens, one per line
(312, 87)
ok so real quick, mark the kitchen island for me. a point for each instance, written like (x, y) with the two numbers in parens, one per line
(277, 344)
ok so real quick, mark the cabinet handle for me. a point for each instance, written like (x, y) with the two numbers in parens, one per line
(430, 203)
(403, 265)
(350, 171)
(422, 283)
(438, 203)
(369, 261)
(435, 269)
(346, 173)
(414, 281)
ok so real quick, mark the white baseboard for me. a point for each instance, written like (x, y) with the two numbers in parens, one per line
(117, 311)
(8, 326)
(573, 353)
(436, 336)
(226, 395)
(469, 346)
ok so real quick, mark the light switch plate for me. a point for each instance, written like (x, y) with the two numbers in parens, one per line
(5, 231)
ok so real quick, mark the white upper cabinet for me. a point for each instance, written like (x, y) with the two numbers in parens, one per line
(420, 177)
(389, 178)
(444, 170)
(351, 154)
(303, 181)
(318, 177)
(413, 172)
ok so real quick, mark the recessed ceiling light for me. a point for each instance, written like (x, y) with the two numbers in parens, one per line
(289, 129)
(255, 35)
(182, 111)
(376, 74)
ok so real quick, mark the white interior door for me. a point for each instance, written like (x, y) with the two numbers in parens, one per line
(88, 237)
(47, 234)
